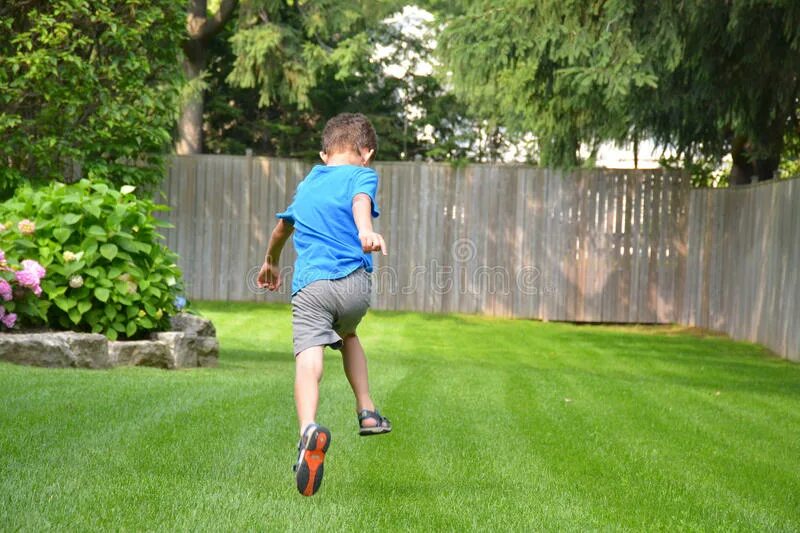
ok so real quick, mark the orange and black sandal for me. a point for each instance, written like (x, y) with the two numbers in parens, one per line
(310, 458)
(382, 424)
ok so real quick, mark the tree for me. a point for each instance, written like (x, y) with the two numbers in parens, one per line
(87, 87)
(239, 118)
(704, 77)
(279, 49)
(389, 79)
(201, 30)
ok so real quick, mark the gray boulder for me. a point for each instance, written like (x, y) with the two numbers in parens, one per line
(181, 347)
(56, 349)
(190, 350)
(193, 325)
(207, 349)
(144, 353)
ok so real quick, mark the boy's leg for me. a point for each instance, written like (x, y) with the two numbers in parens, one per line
(308, 373)
(355, 367)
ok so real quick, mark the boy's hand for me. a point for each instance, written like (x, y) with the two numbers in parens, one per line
(269, 277)
(372, 242)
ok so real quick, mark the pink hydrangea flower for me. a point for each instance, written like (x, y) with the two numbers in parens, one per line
(26, 227)
(30, 264)
(2, 257)
(30, 279)
(5, 290)
(9, 320)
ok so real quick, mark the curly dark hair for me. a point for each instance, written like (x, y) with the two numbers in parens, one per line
(349, 131)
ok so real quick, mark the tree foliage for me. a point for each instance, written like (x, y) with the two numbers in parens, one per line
(87, 84)
(238, 118)
(387, 76)
(283, 68)
(705, 77)
(281, 47)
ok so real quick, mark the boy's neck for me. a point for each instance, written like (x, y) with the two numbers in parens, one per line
(347, 158)
(344, 158)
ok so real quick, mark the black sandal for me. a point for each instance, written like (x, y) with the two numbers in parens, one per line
(382, 424)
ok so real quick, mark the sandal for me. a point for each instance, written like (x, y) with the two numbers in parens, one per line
(382, 424)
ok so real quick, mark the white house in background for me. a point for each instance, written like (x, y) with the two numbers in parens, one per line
(611, 156)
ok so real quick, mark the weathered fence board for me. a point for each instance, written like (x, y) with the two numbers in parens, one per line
(593, 246)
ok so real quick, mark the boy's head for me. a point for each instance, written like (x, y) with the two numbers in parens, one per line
(349, 132)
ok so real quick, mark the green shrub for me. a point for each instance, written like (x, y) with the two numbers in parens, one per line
(107, 269)
(88, 84)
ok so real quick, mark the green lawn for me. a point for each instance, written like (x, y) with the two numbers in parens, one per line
(499, 425)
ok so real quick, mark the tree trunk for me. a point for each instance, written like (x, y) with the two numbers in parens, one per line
(190, 124)
(747, 169)
(766, 168)
(742, 169)
(201, 29)
(758, 159)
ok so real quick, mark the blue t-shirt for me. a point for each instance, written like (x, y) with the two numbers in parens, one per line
(325, 234)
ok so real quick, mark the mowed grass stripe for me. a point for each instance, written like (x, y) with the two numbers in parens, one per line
(143, 448)
(499, 425)
(615, 413)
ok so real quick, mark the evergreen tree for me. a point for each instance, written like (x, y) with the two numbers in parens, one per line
(707, 77)
(414, 115)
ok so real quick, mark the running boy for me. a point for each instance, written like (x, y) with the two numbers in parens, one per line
(331, 217)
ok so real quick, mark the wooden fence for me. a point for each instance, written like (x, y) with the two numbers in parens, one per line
(743, 264)
(588, 246)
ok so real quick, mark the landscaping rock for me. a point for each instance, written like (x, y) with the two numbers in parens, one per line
(89, 349)
(190, 350)
(59, 349)
(38, 349)
(180, 345)
(144, 353)
(196, 345)
(207, 349)
(193, 325)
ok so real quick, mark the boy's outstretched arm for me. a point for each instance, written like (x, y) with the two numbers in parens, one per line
(362, 214)
(269, 275)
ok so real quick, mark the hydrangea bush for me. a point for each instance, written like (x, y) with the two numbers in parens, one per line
(107, 269)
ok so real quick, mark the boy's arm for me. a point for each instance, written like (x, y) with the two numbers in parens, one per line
(362, 214)
(269, 275)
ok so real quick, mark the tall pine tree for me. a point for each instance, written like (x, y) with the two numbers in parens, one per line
(706, 77)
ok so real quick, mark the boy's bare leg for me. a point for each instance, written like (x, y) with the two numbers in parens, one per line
(308, 374)
(355, 367)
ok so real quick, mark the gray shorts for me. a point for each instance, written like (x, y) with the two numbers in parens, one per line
(327, 310)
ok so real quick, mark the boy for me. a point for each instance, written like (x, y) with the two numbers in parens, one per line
(331, 217)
